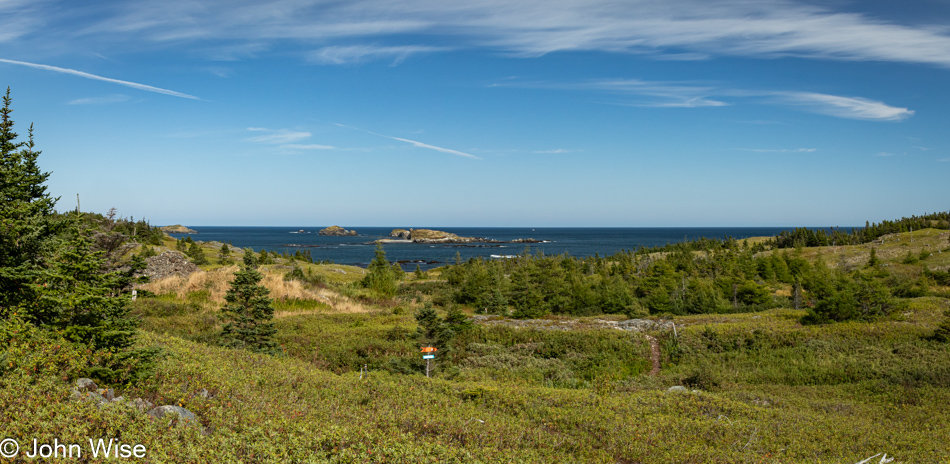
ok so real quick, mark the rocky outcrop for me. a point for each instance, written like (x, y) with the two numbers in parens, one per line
(438, 236)
(178, 229)
(169, 263)
(337, 231)
(401, 233)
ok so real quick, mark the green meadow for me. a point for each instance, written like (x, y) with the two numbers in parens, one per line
(348, 383)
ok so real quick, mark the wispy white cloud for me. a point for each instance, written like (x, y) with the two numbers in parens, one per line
(781, 150)
(19, 18)
(218, 71)
(845, 107)
(115, 98)
(688, 95)
(147, 88)
(362, 53)
(921, 148)
(650, 93)
(678, 29)
(883, 154)
(557, 151)
(277, 136)
(415, 143)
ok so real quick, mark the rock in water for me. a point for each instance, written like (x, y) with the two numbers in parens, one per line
(337, 231)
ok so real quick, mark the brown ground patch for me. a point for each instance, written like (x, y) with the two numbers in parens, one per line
(654, 354)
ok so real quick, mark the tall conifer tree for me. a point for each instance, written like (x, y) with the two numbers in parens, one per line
(49, 274)
(26, 209)
(248, 313)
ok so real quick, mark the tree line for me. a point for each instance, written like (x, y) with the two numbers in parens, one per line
(870, 232)
(726, 276)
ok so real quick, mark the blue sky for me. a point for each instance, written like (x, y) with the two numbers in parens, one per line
(490, 113)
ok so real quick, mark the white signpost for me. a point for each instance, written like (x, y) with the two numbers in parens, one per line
(428, 353)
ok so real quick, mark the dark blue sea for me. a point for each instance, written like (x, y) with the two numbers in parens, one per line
(358, 250)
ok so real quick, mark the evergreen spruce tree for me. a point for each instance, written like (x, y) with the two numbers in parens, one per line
(197, 254)
(248, 313)
(224, 254)
(381, 277)
(87, 306)
(51, 277)
(27, 230)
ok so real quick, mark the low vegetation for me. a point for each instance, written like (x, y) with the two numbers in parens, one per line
(834, 353)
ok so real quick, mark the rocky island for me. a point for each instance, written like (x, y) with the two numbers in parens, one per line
(337, 231)
(178, 229)
(438, 236)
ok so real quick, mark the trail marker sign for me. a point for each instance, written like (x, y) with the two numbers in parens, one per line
(428, 353)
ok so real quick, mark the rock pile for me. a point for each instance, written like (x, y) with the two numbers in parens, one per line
(87, 390)
(169, 263)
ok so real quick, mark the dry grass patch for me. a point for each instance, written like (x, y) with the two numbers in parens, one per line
(210, 287)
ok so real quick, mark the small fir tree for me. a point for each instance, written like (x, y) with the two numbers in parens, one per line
(248, 313)
(224, 254)
(197, 254)
(381, 277)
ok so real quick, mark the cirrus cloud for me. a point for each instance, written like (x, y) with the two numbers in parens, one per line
(672, 29)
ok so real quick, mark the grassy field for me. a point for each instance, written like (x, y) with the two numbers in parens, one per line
(760, 387)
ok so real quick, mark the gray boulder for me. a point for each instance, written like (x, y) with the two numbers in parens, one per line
(174, 415)
(677, 389)
(84, 384)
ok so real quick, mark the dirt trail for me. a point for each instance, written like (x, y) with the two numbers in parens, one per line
(654, 354)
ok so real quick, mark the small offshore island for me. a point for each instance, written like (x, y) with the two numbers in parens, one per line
(438, 236)
(337, 231)
(178, 229)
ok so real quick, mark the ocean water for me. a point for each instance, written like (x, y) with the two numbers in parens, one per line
(359, 250)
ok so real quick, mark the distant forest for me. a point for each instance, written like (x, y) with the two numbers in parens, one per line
(703, 276)
(870, 232)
